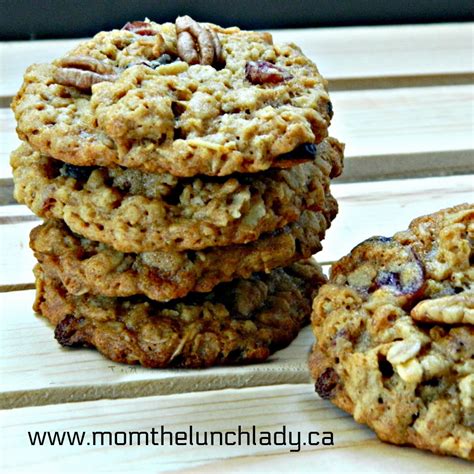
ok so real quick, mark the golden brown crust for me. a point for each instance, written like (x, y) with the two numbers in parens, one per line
(84, 266)
(395, 351)
(103, 109)
(139, 212)
(240, 322)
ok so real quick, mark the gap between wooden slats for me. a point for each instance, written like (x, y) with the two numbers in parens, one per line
(296, 408)
(366, 209)
(350, 57)
(388, 133)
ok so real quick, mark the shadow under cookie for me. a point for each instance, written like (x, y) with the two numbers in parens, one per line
(239, 322)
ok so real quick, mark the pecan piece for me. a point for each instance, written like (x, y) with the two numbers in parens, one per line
(263, 72)
(82, 72)
(142, 28)
(86, 63)
(196, 43)
(453, 309)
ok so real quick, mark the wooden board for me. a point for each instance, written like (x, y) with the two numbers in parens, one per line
(419, 54)
(389, 133)
(295, 409)
(36, 370)
(365, 209)
(395, 126)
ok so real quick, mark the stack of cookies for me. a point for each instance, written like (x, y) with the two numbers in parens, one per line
(183, 174)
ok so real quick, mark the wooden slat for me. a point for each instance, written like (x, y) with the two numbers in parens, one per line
(405, 132)
(349, 57)
(388, 56)
(8, 141)
(54, 375)
(389, 133)
(270, 409)
(386, 207)
(365, 209)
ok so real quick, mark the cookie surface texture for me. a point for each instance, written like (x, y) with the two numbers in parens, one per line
(134, 211)
(394, 334)
(133, 97)
(85, 266)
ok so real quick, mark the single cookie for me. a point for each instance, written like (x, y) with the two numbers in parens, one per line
(138, 212)
(187, 99)
(240, 322)
(85, 266)
(395, 334)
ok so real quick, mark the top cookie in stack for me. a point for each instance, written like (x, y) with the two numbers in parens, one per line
(168, 159)
(186, 99)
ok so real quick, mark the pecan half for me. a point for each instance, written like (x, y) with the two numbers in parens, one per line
(82, 72)
(453, 309)
(263, 72)
(196, 43)
(86, 63)
(143, 28)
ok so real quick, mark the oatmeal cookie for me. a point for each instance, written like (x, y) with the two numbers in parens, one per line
(240, 322)
(395, 334)
(138, 212)
(85, 266)
(187, 99)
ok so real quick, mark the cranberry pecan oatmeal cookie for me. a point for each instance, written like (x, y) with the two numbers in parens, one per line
(85, 266)
(240, 322)
(186, 98)
(395, 334)
(137, 212)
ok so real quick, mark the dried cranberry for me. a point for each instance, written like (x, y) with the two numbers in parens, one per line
(327, 383)
(330, 109)
(397, 268)
(309, 149)
(263, 72)
(140, 28)
(388, 279)
(81, 173)
(161, 61)
(66, 330)
(306, 152)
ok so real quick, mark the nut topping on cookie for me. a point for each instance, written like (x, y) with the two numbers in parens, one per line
(142, 28)
(228, 121)
(197, 44)
(263, 72)
(454, 309)
(82, 72)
